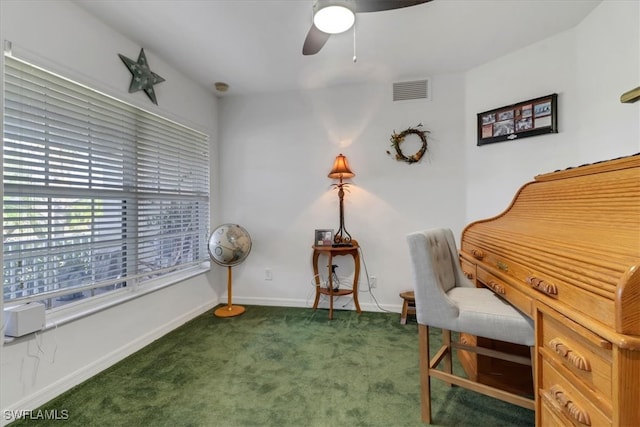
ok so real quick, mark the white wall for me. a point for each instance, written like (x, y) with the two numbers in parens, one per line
(589, 67)
(62, 37)
(278, 148)
(277, 152)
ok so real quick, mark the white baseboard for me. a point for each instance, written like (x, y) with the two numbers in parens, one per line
(324, 304)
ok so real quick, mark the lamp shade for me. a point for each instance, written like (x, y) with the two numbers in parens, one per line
(334, 19)
(341, 168)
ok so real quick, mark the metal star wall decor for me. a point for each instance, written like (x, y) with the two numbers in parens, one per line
(142, 76)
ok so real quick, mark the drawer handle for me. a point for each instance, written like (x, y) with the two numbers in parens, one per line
(468, 275)
(477, 253)
(576, 412)
(542, 286)
(574, 358)
(502, 266)
(497, 287)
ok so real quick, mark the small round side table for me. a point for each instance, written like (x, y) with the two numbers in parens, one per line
(332, 251)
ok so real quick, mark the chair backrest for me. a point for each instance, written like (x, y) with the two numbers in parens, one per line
(436, 270)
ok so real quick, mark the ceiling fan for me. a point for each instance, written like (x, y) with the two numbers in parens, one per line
(325, 23)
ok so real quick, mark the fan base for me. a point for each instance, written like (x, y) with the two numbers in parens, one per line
(229, 311)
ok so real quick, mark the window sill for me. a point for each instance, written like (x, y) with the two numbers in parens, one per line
(74, 311)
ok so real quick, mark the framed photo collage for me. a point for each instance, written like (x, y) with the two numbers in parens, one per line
(528, 118)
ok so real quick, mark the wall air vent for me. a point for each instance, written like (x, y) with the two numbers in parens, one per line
(416, 89)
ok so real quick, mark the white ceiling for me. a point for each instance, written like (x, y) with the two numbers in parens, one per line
(256, 45)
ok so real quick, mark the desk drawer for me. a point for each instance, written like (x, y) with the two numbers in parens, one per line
(506, 291)
(547, 281)
(579, 354)
(551, 414)
(566, 401)
(469, 270)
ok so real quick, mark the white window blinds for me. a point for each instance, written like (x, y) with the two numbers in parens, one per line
(98, 194)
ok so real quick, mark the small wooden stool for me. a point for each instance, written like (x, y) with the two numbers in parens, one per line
(408, 306)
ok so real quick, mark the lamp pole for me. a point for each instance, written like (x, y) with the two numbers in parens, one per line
(339, 237)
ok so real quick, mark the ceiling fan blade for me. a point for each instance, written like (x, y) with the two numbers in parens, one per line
(314, 41)
(363, 6)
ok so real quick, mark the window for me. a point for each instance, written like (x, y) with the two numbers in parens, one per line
(98, 195)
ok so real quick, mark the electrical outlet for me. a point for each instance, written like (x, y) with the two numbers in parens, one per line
(268, 274)
(373, 281)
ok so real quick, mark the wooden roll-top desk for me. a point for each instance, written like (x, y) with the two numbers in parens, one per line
(566, 252)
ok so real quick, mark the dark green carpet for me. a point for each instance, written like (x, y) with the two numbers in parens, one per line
(276, 366)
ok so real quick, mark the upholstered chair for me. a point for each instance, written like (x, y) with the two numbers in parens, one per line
(446, 299)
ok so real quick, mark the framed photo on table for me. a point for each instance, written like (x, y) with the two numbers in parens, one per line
(323, 237)
(528, 118)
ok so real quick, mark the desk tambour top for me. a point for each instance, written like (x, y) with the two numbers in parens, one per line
(571, 239)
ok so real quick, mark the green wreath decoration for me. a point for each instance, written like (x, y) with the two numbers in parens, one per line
(397, 138)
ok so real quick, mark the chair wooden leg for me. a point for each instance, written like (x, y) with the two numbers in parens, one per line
(446, 341)
(425, 378)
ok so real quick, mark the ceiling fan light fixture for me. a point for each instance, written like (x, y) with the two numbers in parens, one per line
(334, 19)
